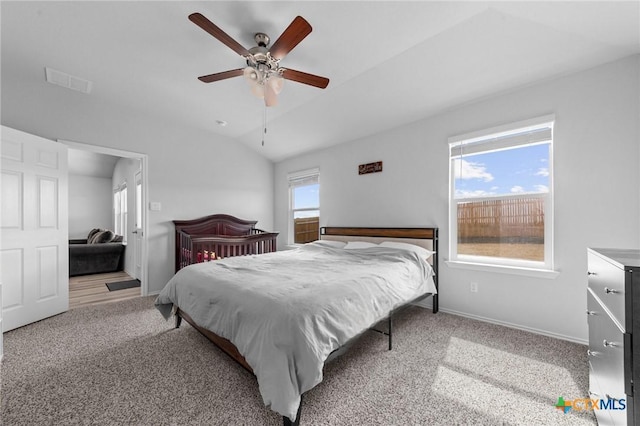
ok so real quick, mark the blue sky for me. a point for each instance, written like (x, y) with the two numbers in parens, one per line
(307, 196)
(511, 171)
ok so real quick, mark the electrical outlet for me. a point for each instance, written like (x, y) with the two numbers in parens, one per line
(473, 287)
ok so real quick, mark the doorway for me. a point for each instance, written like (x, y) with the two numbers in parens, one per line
(133, 226)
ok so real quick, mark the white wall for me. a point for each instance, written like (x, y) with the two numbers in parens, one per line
(90, 205)
(192, 172)
(596, 151)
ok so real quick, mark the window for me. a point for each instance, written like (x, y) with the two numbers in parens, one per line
(138, 203)
(120, 211)
(501, 196)
(304, 206)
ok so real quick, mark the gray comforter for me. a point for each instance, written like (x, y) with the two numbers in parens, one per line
(287, 311)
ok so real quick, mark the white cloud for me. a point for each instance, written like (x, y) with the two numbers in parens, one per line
(517, 189)
(463, 193)
(542, 171)
(466, 170)
(541, 188)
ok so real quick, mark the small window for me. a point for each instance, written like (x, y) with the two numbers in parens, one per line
(304, 210)
(120, 211)
(501, 199)
(138, 224)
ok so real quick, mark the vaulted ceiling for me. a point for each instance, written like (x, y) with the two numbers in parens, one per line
(390, 63)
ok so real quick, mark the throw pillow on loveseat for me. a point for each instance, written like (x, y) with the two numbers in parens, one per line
(99, 236)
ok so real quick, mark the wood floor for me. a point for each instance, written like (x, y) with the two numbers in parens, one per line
(89, 290)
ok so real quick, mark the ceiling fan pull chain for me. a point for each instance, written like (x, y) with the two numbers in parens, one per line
(264, 124)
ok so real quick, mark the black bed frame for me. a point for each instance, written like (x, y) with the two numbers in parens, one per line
(426, 233)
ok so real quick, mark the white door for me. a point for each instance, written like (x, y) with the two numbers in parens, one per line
(138, 226)
(34, 225)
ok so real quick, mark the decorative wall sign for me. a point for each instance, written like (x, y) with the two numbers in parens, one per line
(376, 167)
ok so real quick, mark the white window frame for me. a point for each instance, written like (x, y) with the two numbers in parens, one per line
(521, 133)
(138, 223)
(120, 211)
(296, 179)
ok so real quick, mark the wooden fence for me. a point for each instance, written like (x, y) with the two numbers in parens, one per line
(501, 220)
(306, 229)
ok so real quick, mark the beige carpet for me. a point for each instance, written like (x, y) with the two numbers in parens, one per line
(121, 363)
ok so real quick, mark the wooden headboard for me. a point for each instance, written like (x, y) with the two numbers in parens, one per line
(423, 237)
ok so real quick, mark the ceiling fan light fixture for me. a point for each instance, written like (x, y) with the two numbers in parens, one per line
(276, 81)
(258, 90)
(251, 75)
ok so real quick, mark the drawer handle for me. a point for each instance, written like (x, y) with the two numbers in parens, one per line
(608, 290)
(593, 394)
(609, 344)
(591, 273)
(592, 353)
(591, 312)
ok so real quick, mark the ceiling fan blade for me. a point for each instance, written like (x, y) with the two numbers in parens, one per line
(294, 34)
(215, 31)
(221, 75)
(270, 96)
(305, 78)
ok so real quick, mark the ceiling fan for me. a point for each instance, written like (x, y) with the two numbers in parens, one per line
(263, 71)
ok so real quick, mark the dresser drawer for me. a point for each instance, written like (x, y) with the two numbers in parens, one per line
(596, 392)
(606, 350)
(606, 281)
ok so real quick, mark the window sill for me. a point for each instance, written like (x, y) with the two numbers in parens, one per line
(515, 270)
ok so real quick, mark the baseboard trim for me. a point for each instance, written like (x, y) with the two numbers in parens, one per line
(424, 304)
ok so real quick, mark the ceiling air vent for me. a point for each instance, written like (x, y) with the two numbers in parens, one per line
(68, 81)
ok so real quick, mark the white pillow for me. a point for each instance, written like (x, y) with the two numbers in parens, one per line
(359, 245)
(420, 251)
(328, 243)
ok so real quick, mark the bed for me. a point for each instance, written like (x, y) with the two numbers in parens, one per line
(218, 236)
(283, 315)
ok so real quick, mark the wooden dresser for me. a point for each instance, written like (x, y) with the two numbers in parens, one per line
(613, 312)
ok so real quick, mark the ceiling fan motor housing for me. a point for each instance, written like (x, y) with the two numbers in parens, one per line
(260, 58)
(259, 54)
(262, 39)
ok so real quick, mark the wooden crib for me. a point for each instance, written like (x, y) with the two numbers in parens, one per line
(218, 236)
